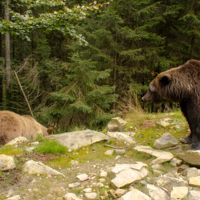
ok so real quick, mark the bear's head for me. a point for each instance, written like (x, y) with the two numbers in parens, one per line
(158, 88)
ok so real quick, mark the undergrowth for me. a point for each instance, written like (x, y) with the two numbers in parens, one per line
(47, 146)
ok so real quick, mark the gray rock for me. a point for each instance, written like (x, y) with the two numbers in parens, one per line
(87, 190)
(17, 141)
(191, 172)
(82, 177)
(191, 157)
(135, 194)
(157, 166)
(162, 156)
(33, 167)
(103, 174)
(75, 140)
(193, 195)
(36, 143)
(120, 167)
(166, 140)
(120, 192)
(194, 181)
(30, 149)
(74, 162)
(156, 193)
(175, 162)
(179, 192)
(121, 136)
(74, 185)
(128, 176)
(6, 162)
(168, 182)
(71, 196)
(116, 124)
(91, 195)
(109, 152)
(120, 151)
(16, 197)
(163, 123)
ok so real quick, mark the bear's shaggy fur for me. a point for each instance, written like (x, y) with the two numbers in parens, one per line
(13, 125)
(181, 84)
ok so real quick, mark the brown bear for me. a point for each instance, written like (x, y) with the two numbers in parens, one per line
(181, 84)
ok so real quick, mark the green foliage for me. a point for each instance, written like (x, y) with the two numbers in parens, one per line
(52, 147)
(10, 150)
(82, 94)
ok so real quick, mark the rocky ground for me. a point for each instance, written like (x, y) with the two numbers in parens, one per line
(117, 168)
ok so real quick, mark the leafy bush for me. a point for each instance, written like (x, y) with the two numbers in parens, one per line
(53, 147)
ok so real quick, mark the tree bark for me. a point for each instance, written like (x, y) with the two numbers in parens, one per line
(7, 44)
(1, 45)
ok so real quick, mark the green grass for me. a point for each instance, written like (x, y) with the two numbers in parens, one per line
(10, 150)
(53, 147)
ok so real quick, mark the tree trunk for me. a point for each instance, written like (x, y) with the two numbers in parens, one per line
(7, 44)
(1, 45)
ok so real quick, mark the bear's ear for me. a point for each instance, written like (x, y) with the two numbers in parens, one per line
(165, 80)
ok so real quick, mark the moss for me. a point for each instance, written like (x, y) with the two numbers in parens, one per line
(10, 150)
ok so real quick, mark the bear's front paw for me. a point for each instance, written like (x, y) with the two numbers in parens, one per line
(186, 140)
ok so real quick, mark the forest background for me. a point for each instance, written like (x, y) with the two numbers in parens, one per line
(81, 62)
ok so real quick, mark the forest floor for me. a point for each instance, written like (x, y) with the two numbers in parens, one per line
(91, 160)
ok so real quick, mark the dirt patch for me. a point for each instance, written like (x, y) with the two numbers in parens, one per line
(148, 123)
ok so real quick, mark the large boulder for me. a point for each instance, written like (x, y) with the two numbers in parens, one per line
(116, 124)
(76, 139)
(14, 125)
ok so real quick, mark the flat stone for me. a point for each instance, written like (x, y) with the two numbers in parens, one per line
(156, 193)
(6, 162)
(128, 176)
(36, 143)
(191, 172)
(109, 152)
(194, 181)
(16, 197)
(157, 166)
(166, 140)
(74, 185)
(103, 174)
(30, 149)
(162, 156)
(71, 196)
(193, 195)
(91, 195)
(120, 151)
(175, 162)
(121, 136)
(191, 157)
(120, 192)
(82, 177)
(74, 162)
(179, 192)
(17, 141)
(33, 167)
(75, 140)
(116, 124)
(87, 190)
(163, 123)
(120, 167)
(168, 182)
(135, 194)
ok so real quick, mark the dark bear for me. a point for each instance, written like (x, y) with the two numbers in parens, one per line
(181, 84)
